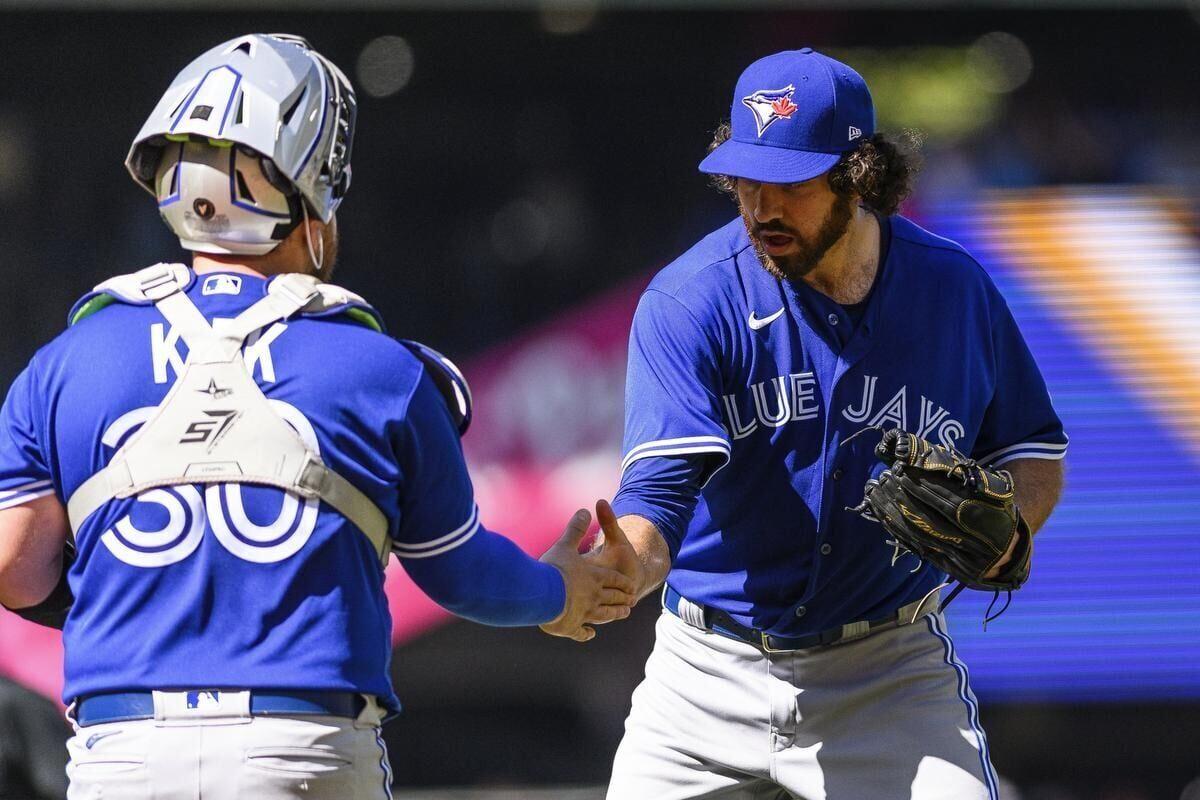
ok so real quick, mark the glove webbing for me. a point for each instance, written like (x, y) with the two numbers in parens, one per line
(864, 510)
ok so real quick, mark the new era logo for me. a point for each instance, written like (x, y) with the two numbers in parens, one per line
(854, 133)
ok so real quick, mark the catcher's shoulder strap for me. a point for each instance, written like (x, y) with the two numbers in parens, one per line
(215, 425)
(138, 288)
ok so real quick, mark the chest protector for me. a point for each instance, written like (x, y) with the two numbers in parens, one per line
(215, 425)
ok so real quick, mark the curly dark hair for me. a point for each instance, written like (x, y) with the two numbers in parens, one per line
(880, 170)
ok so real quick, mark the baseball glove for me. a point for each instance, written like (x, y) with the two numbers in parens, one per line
(949, 511)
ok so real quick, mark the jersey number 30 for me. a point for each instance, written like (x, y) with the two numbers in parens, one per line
(188, 512)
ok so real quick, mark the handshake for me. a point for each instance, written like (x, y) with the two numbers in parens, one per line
(602, 585)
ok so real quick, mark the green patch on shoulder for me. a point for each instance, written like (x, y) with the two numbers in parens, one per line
(364, 318)
(92, 306)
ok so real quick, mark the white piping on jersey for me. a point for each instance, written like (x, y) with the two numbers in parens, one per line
(18, 497)
(26, 487)
(671, 447)
(1030, 455)
(447, 543)
(658, 449)
(1048, 450)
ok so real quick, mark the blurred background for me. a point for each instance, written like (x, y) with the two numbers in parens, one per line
(521, 170)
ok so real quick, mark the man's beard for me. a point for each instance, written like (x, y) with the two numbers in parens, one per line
(809, 253)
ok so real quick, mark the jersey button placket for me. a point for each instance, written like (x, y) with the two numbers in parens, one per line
(833, 318)
(800, 611)
(826, 549)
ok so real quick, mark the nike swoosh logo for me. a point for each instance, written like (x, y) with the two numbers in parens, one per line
(95, 737)
(759, 324)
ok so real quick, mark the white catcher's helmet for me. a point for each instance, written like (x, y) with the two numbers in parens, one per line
(249, 138)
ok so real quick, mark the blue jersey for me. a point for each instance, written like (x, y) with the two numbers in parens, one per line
(758, 381)
(236, 586)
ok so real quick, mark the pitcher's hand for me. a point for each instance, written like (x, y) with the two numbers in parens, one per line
(613, 549)
(597, 590)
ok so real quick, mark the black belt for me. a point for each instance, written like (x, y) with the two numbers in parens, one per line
(718, 621)
(123, 706)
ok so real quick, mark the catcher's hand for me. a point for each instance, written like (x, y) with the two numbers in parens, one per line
(949, 511)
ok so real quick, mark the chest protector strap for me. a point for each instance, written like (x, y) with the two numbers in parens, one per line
(215, 425)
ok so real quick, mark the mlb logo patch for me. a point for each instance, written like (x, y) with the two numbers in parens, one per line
(771, 105)
(222, 284)
(203, 700)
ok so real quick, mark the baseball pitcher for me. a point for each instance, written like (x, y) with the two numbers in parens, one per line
(801, 653)
(203, 478)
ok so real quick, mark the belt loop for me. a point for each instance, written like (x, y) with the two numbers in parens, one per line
(372, 713)
(201, 706)
(854, 630)
(919, 606)
(692, 613)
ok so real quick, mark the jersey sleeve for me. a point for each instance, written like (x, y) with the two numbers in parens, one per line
(437, 501)
(24, 468)
(672, 401)
(462, 566)
(1020, 421)
(665, 491)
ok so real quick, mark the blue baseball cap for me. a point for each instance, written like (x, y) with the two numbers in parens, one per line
(794, 114)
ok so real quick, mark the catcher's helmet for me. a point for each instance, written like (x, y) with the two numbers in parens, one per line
(245, 134)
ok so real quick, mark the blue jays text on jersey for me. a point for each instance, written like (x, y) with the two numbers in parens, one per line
(759, 381)
(236, 585)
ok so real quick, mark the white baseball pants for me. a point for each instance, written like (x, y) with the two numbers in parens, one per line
(887, 717)
(215, 757)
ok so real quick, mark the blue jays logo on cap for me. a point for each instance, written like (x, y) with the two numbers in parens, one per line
(825, 107)
(769, 105)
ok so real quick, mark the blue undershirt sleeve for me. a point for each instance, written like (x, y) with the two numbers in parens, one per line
(489, 579)
(664, 490)
(461, 565)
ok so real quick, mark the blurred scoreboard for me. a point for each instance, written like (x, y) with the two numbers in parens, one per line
(1106, 286)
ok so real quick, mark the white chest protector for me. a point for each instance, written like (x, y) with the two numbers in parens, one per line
(215, 425)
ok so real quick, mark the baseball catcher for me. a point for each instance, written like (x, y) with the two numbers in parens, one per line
(950, 511)
(226, 629)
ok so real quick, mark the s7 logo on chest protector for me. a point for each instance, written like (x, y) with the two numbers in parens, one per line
(210, 430)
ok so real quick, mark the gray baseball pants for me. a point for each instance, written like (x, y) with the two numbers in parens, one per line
(887, 717)
(223, 756)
